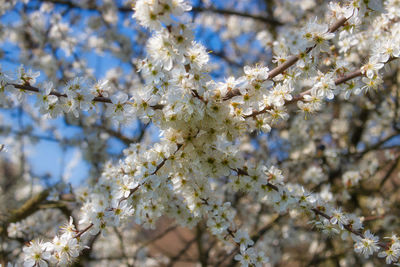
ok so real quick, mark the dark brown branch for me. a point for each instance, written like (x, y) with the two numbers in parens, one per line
(28, 208)
(317, 211)
(348, 77)
(389, 172)
(375, 146)
(80, 233)
(203, 257)
(159, 236)
(28, 87)
(338, 81)
(255, 237)
(125, 9)
(290, 61)
(181, 252)
(260, 18)
(31, 88)
(348, 227)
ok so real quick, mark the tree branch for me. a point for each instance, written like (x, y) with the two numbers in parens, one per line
(28, 208)
(290, 61)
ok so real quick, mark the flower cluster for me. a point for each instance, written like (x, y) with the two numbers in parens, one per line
(197, 162)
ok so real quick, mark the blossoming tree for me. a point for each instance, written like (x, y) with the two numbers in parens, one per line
(278, 132)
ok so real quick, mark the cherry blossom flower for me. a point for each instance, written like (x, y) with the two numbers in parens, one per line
(366, 245)
(36, 254)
